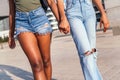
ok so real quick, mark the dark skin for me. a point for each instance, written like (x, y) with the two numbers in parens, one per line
(36, 46)
(11, 41)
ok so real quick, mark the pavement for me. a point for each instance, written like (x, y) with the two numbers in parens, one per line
(66, 66)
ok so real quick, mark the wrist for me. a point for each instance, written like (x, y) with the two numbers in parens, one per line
(103, 13)
(63, 18)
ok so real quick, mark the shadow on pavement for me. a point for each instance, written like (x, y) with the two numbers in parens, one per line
(7, 72)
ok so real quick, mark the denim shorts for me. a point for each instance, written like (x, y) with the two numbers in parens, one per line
(34, 21)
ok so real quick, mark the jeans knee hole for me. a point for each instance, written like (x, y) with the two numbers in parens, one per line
(88, 53)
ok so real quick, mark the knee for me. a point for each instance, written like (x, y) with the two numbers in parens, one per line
(37, 66)
(47, 63)
(90, 52)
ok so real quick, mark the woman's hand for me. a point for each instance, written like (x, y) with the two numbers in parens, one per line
(64, 26)
(104, 21)
(11, 43)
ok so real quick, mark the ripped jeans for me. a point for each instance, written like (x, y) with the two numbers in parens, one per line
(82, 19)
(34, 21)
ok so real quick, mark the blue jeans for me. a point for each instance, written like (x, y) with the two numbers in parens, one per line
(82, 19)
(34, 21)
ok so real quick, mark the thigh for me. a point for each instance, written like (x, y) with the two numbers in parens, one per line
(79, 35)
(44, 42)
(29, 44)
(90, 26)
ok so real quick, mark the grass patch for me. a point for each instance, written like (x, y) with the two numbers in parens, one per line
(2, 40)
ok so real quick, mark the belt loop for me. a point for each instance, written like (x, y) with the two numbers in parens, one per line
(27, 13)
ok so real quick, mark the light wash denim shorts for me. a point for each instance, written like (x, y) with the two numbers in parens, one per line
(34, 21)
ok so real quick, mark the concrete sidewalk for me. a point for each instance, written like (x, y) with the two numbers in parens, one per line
(14, 64)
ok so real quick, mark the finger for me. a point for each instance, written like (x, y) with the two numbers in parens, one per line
(107, 25)
(64, 31)
(68, 29)
(61, 31)
(105, 29)
(13, 45)
(9, 43)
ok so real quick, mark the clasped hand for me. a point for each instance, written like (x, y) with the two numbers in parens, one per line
(64, 26)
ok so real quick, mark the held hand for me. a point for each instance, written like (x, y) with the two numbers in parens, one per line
(64, 26)
(11, 43)
(104, 21)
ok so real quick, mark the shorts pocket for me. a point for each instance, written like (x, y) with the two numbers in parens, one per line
(20, 16)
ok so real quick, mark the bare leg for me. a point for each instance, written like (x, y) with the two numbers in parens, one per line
(44, 45)
(29, 44)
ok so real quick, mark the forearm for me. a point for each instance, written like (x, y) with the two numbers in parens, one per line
(60, 4)
(53, 8)
(99, 6)
(11, 18)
